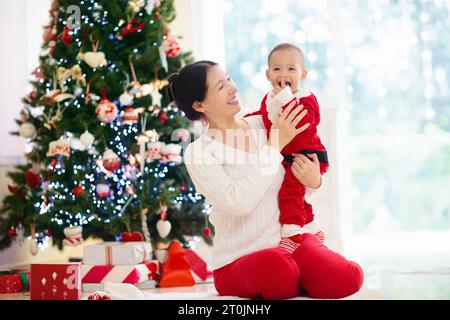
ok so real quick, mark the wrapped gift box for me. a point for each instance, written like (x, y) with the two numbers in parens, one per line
(55, 281)
(10, 282)
(117, 253)
(182, 267)
(25, 276)
(199, 268)
(120, 274)
(92, 287)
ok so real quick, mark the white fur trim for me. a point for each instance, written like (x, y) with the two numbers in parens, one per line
(303, 93)
(275, 103)
(289, 230)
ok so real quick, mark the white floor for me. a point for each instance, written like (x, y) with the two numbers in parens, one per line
(198, 292)
(396, 268)
(378, 285)
(413, 265)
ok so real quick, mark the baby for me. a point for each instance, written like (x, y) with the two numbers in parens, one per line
(286, 72)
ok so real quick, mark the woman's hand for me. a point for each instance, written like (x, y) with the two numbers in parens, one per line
(307, 171)
(283, 130)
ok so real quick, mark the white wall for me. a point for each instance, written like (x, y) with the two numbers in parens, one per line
(200, 23)
(14, 66)
(21, 22)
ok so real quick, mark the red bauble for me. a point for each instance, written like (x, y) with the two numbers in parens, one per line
(106, 111)
(66, 37)
(49, 232)
(103, 190)
(173, 48)
(157, 15)
(163, 117)
(132, 27)
(77, 190)
(32, 179)
(207, 232)
(183, 188)
(17, 192)
(32, 95)
(111, 161)
(12, 232)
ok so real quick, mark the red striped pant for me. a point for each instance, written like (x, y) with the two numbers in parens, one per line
(312, 269)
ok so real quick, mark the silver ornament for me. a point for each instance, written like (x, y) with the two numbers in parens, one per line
(87, 139)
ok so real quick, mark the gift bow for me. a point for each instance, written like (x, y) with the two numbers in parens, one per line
(62, 74)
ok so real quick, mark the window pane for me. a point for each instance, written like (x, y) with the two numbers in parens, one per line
(253, 27)
(394, 69)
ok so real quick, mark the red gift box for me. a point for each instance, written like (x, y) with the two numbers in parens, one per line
(10, 283)
(198, 266)
(182, 267)
(55, 281)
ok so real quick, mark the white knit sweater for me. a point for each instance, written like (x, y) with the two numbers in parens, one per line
(243, 190)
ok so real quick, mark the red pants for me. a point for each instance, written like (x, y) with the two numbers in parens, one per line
(274, 274)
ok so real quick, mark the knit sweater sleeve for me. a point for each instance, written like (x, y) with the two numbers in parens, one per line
(237, 196)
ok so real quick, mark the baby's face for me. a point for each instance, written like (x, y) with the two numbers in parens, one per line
(286, 68)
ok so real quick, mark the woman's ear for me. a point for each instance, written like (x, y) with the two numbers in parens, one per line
(197, 106)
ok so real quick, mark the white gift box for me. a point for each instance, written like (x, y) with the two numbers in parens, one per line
(92, 287)
(117, 253)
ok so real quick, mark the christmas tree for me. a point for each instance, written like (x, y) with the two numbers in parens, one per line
(106, 143)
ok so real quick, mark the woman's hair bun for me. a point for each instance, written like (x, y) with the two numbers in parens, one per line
(172, 77)
(170, 90)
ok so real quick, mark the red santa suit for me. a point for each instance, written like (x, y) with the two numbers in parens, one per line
(295, 212)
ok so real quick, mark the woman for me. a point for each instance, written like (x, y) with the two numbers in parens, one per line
(238, 169)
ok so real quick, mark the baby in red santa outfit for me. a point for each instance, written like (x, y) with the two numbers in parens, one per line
(286, 71)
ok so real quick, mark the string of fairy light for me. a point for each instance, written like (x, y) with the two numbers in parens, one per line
(92, 173)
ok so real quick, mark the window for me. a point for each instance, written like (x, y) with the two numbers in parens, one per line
(386, 63)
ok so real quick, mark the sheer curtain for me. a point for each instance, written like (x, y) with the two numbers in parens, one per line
(380, 71)
(21, 24)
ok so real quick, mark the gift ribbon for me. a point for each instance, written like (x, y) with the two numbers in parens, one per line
(25, 281)
(24, 275)
(109, 255)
